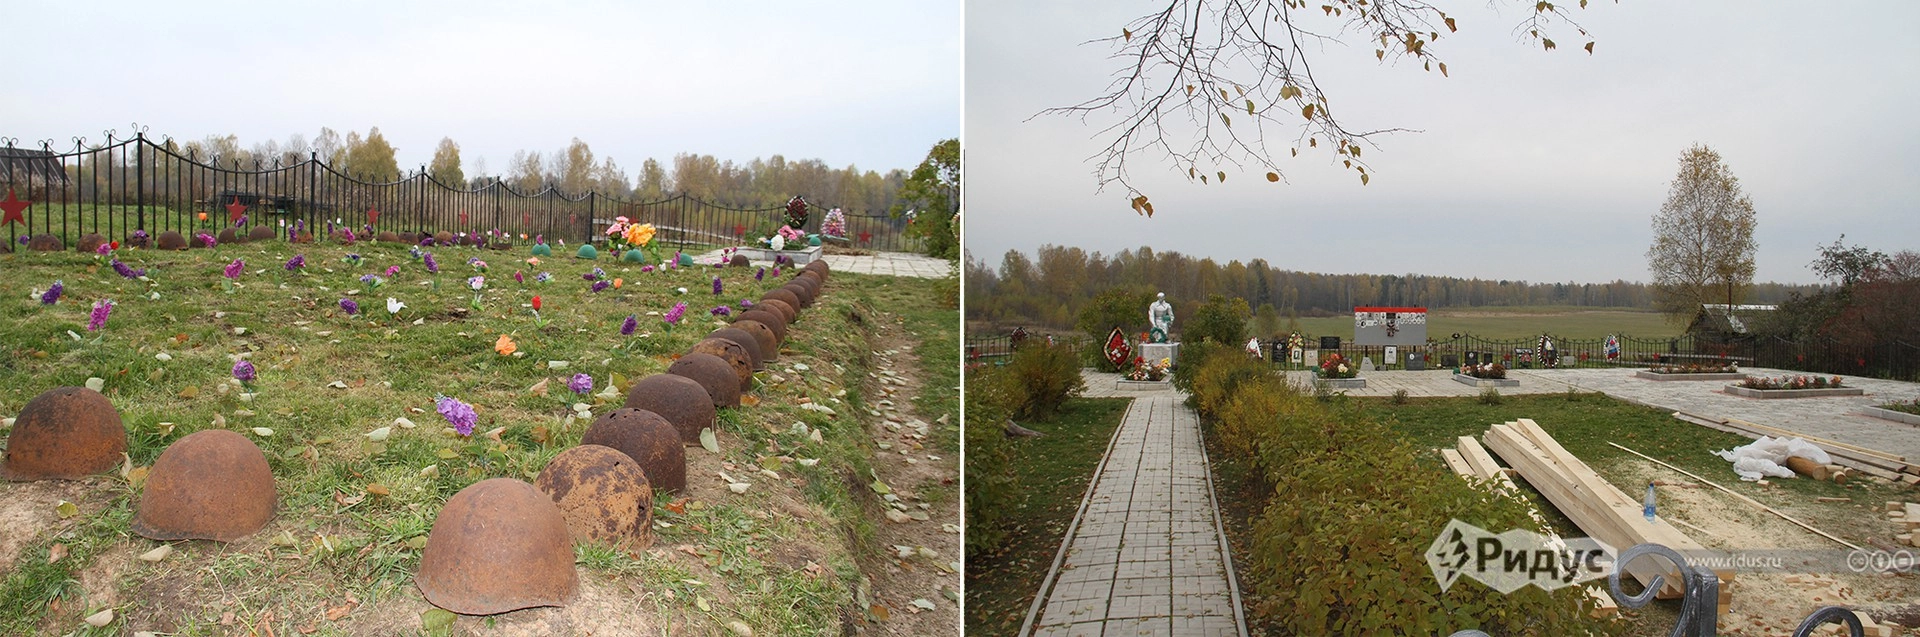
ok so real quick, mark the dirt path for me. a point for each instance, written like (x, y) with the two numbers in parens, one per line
(914, 570)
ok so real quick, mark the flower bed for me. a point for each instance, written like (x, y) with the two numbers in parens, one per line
(1793, 387)
(1893, 413)
(1691, 372)
(1337, 373)
(802, 256)
(1341, 383)
(1475, 381)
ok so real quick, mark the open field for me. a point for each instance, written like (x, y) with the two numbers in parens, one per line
(339, 556)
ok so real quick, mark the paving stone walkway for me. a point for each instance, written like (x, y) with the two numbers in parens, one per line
(1836, 417)
(882, 263)
(1145, 555)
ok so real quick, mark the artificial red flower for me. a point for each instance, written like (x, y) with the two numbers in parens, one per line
(115, 244)
(536, 303)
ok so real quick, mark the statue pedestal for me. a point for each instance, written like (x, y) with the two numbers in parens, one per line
(1156, 351)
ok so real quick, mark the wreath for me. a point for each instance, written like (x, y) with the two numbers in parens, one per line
(796, 213)
(1117, 351)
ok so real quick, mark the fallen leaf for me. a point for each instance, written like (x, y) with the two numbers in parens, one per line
(262, 432)
(337, 385)
(334, 614)
(494, 434)
(100, 619)
(347, 500)
(738, 487)
(378, 489)
(191, 391)
(923, 604)
(137, 476)
(403, 423)
(710, 442)
(157, 554)
(163, 357)
(437, 621)
(879, 612)
(701, 601)
(539, 388)
(66, 509)
(380, 434)
(96, 383)
(56, 552)
(740, 628)
(749, 400)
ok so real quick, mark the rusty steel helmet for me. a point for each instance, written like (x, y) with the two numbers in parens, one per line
(813, 282)
(769, 319)
(89, 243)
(65, 433)
(786, 311)
(755, 358)
(443, 237)
(646, 438)
(602, 493)
(498, 545)
(45, 243)
(387, 236)
(229, 236)
(211, 485)
(820, 268)
(714, 375)
(261, 233)
(783, 295)
(739, 261)
(739, 362)
(769, 341)
(170, 240)
(684, 403)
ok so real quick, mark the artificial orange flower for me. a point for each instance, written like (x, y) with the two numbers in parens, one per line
(505, 345)
(640, 235)
(616, 284)
(203, 216)
(533, 260)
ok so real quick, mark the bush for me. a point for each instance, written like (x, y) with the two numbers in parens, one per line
(1125, 308)
(1490, 396)
(1400, 396)
(1193, 358)
(1221, 319)
(989, 457)
(1041, 377)
(1340, 547)
(1216, 382)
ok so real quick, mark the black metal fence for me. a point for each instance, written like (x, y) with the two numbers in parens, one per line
(125, 184)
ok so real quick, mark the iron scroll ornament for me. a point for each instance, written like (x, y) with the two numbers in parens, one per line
(1699, 612)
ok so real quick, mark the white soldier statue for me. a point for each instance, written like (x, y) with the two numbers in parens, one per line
(1160, 316)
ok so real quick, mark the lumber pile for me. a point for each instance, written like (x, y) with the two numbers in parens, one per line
(1600, 509)
(1869, 461)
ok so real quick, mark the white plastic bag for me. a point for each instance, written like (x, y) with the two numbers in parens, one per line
(1768, 457)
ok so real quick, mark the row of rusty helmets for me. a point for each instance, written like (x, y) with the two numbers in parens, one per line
(209, 485)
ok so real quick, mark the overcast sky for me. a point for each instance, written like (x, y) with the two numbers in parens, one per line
(1531, 165)
(873, 84)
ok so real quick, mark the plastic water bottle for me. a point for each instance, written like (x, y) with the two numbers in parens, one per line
(1647, 509)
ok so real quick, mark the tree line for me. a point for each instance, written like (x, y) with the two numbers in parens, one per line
(1050, 288)
(575, 168)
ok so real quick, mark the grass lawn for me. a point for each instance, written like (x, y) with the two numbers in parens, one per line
(1504, 323)
(354, 512)
(1052, 474)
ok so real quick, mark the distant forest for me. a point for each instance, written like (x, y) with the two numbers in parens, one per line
(575, 168)
(1049, 289)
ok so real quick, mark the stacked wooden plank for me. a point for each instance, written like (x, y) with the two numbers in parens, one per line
(1469, 459)
(1869, 461)
(1600, 509)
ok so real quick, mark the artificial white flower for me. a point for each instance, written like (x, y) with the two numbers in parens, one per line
(394, 305)
(778, 242)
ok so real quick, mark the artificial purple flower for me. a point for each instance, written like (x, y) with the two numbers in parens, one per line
(298, 261)
(627, 326)
(25, 239)
(128, 271)
(103, 250)
(208, 239)
(543, 277)
(601, 285)
(393, 271)
(760, 275)
(53, 293)
(370, 279)
(477, 283)
(779, 259)
(433, 267)
(745, 305)
(776, 273)
(233, 269)
(716, 286)
(98, 318)
(673, 316)
(581, 384)
(415, 252)
(243, 371)
(352, 258)
(457, 413)
(426, 240)
(350, 307)
(139, 235)
(242, 221)
(517, 278)
(646, 268)
(720, 310)
(472, 260)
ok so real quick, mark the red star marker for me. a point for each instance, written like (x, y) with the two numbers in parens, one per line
(865, 236)
(739, 230)
(235, 211)
(373, 216)
(463, 218)
(14, 206)
(526, 219)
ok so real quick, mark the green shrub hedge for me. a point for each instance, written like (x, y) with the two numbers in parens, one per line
(989, 455)
(1339, 547)
(1040, 377)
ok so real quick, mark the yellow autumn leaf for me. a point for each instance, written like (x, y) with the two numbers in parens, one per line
(1276, 176)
